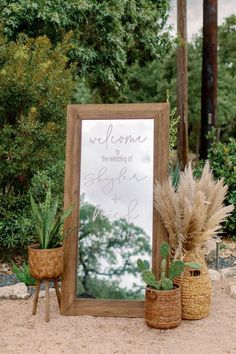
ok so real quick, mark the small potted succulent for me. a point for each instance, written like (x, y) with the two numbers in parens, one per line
(46, 257)
(163, 297)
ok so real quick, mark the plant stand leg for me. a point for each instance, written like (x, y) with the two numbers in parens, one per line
(36, 297)
(57, 292)
(47, 302)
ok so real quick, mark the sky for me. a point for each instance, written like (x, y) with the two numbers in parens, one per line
(194, 14)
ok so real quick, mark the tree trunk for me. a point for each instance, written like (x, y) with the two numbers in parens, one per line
(182, 84)
(209, 74)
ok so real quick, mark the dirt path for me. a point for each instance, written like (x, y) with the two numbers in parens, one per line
(26, 334)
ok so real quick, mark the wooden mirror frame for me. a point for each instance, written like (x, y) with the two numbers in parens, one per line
(70, 304)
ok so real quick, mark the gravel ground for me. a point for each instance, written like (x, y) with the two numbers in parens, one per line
(22, 333)
(8, 279)
(223, 262)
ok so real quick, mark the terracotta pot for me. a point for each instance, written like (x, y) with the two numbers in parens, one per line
(45, 263)
(163, 308)
(195, 289)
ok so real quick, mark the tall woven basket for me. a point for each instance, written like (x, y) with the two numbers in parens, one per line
(45, 263)
(195, 289)
(163, 308)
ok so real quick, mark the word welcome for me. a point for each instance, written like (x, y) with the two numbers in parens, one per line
(111, 139)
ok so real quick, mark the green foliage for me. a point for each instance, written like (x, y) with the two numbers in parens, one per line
(166, 284)
(104, 289)
(113, 243)
(164, 250)
(150, 279)
(15, 230)
(51, 177)
(23, 275)
(175, 176)
(222, 158)
(175, 270)
(48, 223)
(36, 83)
(108, 35)
(149, 83)
(143, 265)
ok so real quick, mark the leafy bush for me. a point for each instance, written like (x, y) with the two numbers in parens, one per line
(23, 275)
(108, 35)
(222, 157)
(36, 83)
(15, 231)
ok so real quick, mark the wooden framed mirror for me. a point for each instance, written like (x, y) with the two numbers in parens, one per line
(114, 153)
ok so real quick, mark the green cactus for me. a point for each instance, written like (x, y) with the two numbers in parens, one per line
(175, 270)
(166, 284)
(164, 250)
(150, 279)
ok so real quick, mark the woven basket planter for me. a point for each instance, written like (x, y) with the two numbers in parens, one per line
(195, 289)
(45, 263)
(163, 308)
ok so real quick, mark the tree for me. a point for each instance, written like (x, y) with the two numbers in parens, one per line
(182, 84)
(108, 35)
(107, 251)
(209, 74)
(36, 84)
(142, 85)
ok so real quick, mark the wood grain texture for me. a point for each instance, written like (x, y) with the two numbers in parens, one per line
(160, 173)
(36, 297)
(107, 308)
(47, 301)
(57, 292)
(182, 83)
(70, 304)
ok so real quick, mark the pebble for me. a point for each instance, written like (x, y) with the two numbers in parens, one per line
(8, 279)
(223, 262)
(15, 292)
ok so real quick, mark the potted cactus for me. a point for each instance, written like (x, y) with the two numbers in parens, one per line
(192, 210)
(163, 297)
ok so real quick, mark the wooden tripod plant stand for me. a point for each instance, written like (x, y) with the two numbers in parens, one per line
(47, 296)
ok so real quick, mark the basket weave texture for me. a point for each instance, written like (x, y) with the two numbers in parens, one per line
(163, 308)
(45, 263)
(195, 289)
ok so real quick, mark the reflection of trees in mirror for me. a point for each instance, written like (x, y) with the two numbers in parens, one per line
(108, 252)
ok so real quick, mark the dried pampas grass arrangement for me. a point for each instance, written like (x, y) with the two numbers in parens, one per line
(192, 213)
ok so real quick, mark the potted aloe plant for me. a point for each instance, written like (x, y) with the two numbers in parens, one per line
(46, 257)
(163, 297)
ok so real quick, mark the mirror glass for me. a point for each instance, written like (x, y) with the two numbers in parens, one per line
(116, 207)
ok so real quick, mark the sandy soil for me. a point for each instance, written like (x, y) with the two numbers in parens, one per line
(23, 333)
